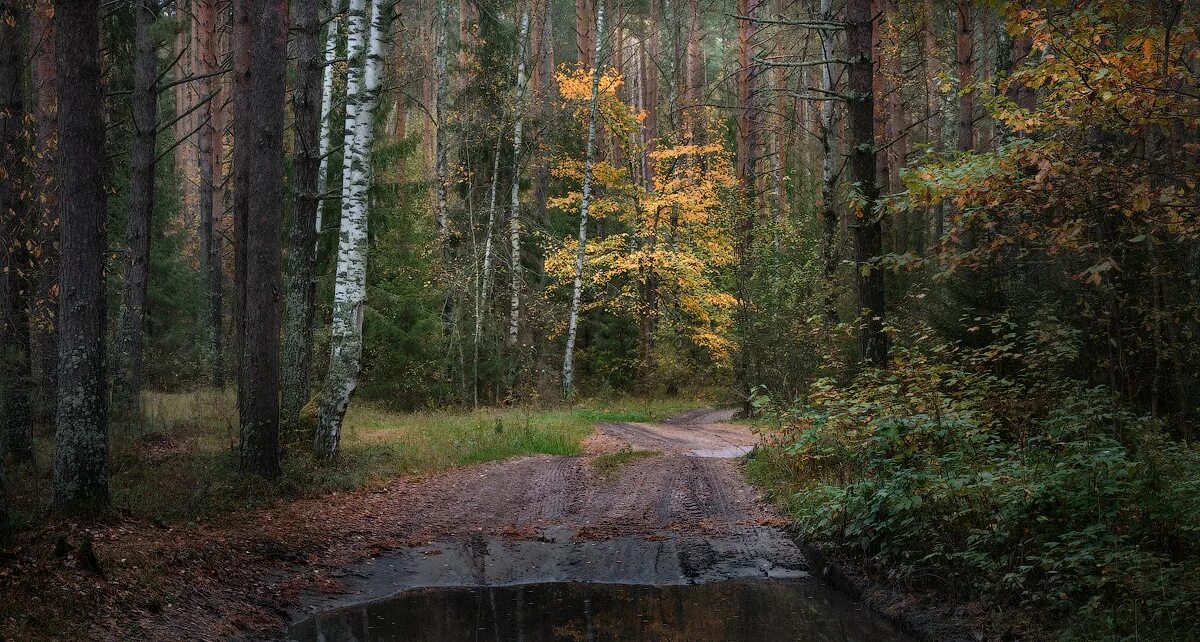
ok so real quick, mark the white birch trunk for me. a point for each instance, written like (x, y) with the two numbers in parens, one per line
(326, 120)
(485, 276)
(350, 285)
(514, 220)
(589, 160)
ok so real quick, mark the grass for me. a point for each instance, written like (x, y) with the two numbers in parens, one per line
(610, 464)
(179, 463)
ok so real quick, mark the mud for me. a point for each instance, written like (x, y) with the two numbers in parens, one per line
(683, 518)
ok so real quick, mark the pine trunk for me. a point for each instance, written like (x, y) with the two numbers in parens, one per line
(260, 127)
(16, 430)
(868, 231)
(568, 370)
(128, 380)
(81, 457)
(302, 255)
(44, 311)
(209, 161)
(965, 64)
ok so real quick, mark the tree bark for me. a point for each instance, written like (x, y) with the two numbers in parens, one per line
(81, 457)
(514, 219)
(209, 160)
(485, 272)
(585, 32)
(302, 250)
(260, 127)
(240, 45)
(44, 311)
(568, 370)
(16, 432)
(440, 171)
(868, 230)
(128, 381)
(350, 285)
(829, 173)
(965, 66)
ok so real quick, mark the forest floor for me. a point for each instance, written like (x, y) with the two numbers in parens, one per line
(648, 503)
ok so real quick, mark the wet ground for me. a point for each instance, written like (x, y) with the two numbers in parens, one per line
(676, 546)
(762, 611)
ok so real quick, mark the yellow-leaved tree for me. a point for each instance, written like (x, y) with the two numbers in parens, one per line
(666, 234)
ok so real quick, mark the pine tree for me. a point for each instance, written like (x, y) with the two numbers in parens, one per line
(81, 457)
(260, 128)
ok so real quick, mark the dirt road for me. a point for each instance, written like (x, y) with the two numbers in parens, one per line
(682, 516)
(685, 516)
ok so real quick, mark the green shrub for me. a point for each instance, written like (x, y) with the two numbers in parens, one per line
(988, 474)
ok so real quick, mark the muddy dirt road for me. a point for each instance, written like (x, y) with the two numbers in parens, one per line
(682, 516)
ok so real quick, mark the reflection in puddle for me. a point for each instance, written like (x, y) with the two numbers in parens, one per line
(760, 610)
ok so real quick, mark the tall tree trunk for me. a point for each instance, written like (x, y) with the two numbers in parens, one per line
(16, 431)
(128, 380)
(585, 31)
(514, 219)
(81, 457)
(330, 53)
(45, 199)
(350, 285)
(934, 112)
(747, 175)
(568, 370)
(868, 230)
(829, 156)
(545, 72)
(440, 171)
(1020, 93)
(695, 74)
(965, 66)
(240, 45)
(485, 272)
(302, 255)
(260, 127)
(210, 208)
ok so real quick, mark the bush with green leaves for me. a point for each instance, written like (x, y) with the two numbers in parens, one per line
(988, 473)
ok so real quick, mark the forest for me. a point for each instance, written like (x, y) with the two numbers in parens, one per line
(942, 256)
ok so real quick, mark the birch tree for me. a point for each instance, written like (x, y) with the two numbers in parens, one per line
(514, 221)
(581, 254)
(485, 272)
(350, 285)
(81, 455)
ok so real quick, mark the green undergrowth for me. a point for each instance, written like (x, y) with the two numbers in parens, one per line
(609, 464)
(991, 477)
(179, 462)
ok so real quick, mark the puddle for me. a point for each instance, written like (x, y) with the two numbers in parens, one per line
(759, 610)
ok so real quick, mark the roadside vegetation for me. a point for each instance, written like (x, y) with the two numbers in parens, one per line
(180, 462)
(991, 477)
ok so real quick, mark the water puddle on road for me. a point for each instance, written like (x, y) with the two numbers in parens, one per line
(758, 610)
